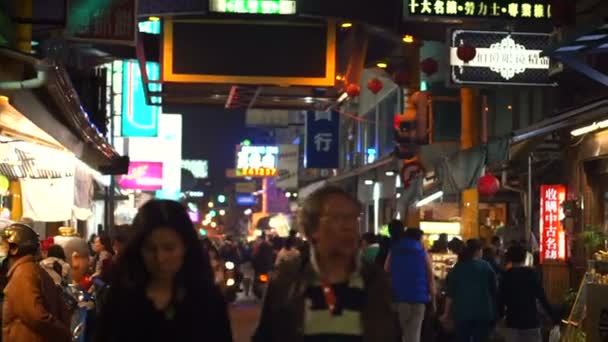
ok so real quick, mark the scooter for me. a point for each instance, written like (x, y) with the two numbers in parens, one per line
(260, 283)
(233, 279)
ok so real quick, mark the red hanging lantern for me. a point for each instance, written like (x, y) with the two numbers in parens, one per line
(353, 90)
(401, 77)
(563, 12)
(488, 185)
(466, 52)
(429, 66)
(374, 85)
(397, 122)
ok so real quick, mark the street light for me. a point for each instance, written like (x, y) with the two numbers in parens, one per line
(248, 211)
(210, 204)
(213, 225)
(222, 212)
(221, 199)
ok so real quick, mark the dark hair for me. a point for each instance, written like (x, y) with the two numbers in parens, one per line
(489, 253)
(369, 238)
(516, 254)
(496, 240)
(471, 248)
(443, 237)
(106, 242)
(413, 234)
(456, 245)
(289, 242)
(396, 229)
(195, 275)
(122, 233)
(310, 213)
(56, 251)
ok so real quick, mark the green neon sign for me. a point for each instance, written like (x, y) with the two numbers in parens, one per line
(138, 118)
(254, 6)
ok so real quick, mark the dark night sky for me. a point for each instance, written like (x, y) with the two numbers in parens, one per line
(211, 134)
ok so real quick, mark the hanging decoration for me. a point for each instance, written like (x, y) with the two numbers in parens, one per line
(401, 77)
(429, 66)
(466, 52)
(374, 85)
(353, 90)
(488, 185)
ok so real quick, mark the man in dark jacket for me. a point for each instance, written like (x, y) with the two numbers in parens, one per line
(330, 295)
(33, 309)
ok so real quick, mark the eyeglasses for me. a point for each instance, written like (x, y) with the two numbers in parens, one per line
(335, 218)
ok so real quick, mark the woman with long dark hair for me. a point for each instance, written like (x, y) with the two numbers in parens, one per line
(163, 287)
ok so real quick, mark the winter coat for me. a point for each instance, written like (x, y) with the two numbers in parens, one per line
(33, 310)
(283, 312)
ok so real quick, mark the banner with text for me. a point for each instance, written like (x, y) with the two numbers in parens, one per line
(288, 167)
(552, 232)
(322, 140)
(501, 58)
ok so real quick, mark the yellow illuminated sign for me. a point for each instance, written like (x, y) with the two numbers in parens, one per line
(479, 8)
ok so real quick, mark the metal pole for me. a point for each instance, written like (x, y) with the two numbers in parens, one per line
(111, 205)
(377, 129)
(529, 204)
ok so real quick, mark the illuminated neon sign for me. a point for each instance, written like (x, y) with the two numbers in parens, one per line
(282, 7)
(138, 118)
(257, 161)
(552, 232)
(514, 9)
(147, 176)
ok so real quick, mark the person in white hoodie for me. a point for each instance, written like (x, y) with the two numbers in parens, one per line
(56, 266)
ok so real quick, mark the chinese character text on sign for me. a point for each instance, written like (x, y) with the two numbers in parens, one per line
(552, 233)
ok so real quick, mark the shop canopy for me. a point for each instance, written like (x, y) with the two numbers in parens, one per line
(50, 102)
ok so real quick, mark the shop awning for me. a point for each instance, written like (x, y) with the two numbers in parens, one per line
(571, 118)
(363, 169)
(51, 103)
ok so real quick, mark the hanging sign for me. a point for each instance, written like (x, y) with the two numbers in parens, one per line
(147, 176)
(513, 9)
(501, 58)
(253, 6)
(256, 161)
(101, 22)
(552, 232)
(322, 140)
(139, 119)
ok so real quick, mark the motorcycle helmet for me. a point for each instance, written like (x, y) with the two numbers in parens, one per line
(20, 235)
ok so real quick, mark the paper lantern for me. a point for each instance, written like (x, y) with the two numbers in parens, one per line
(488, 185)
(374, 85)
(401, 77)
(466, 52)
(353, 90)
(429, 66)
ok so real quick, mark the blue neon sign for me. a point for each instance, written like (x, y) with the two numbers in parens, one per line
(138, 118)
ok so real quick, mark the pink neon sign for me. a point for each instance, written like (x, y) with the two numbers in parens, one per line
(146, 176)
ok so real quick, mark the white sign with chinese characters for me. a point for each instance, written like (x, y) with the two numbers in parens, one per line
(257, 161)
(506, 58)
(536, 9)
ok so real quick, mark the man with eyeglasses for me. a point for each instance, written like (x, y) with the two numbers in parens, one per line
(329, 295)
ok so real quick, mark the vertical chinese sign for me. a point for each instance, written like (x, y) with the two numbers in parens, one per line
(552, 233)
(110, 22)
(322, 140)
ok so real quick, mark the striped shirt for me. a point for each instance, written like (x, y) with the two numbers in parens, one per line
(343, 324)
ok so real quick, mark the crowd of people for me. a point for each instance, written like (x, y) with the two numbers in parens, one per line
(157, 281)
